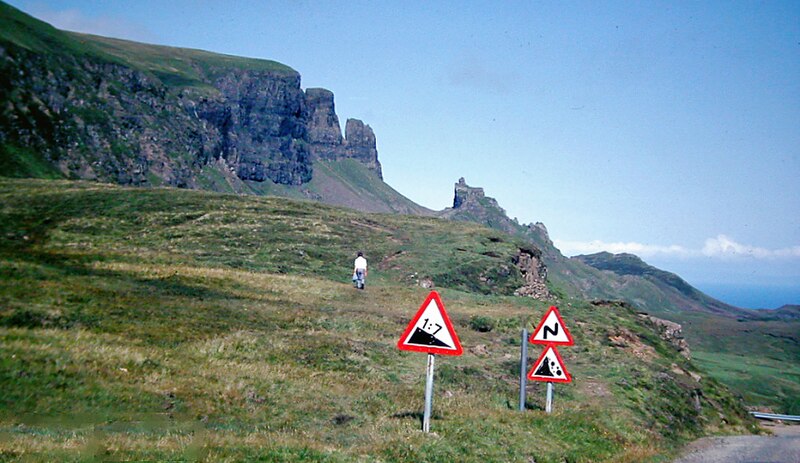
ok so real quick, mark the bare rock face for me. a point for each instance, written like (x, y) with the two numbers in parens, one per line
(361, 144)
(110, 122)
(267, 127)
(466, 196)
(671, 332)
(534, 272)
(324, 133)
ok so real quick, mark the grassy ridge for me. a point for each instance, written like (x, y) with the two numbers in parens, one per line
(32, 34)
(259, 234)
(175, 67)
(171, 324)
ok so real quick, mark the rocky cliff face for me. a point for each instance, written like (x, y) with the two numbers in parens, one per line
(263, 125)
(325, 134)
(83, 108)
(109, 122)
(671, 332)
(361, 144)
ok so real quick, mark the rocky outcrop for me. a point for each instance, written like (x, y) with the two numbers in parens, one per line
(265, 135)
(361, 144)
(471, 204)
(325, 135)
(671, 332)
(530, 264)
(471, 197)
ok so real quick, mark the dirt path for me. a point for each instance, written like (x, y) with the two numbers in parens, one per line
(781, 447)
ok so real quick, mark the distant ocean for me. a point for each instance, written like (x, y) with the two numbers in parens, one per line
(752, 296)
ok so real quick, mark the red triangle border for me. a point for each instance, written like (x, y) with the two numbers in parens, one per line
(448, 324)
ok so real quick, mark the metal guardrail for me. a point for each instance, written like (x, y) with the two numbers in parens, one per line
(773, 416)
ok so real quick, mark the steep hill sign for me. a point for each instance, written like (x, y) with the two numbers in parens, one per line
(430, 331)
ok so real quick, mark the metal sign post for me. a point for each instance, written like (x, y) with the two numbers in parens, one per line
(430, 331)
(550, 367)
(523, 367)
(426, 418)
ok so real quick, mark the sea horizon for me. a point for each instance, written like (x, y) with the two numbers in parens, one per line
(751, 296)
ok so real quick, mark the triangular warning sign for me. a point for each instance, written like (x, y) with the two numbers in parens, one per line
(551, 330)
(550, 367)
(431, 330)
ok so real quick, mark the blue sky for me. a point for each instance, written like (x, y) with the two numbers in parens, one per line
(666, 129)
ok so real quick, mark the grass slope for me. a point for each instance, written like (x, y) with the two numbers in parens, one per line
(345, 182)
(755, 352)
(178, 325)
(758, 359)
(175, 67)
(34, 35)
(349, 183)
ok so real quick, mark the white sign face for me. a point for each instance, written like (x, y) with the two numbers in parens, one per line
(551, 330)
(550, 368)
(430, 329)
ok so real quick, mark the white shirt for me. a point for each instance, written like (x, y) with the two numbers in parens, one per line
(360, 263)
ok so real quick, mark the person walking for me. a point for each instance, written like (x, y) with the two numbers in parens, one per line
(360, 270)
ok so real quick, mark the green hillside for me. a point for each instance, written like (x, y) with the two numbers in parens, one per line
(174, 67)
(162, 324)
(37, 36)
(753, 352)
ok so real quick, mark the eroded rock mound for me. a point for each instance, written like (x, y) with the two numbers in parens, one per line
(530, 264)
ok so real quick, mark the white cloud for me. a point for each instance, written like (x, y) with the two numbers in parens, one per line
(77, 21)
(571, 248)
(722, 247)
(725, 247)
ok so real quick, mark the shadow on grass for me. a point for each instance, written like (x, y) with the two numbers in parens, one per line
(419, 416)
(153, 309)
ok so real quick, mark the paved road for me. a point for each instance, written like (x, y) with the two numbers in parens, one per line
(782, 447)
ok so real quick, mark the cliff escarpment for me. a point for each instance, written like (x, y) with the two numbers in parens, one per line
(110, 110)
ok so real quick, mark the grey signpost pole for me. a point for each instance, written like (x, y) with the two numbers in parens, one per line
(426, 418)
(549, 405)
(523, 368)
